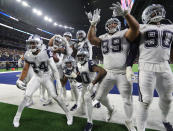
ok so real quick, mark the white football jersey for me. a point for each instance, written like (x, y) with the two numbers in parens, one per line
(85, 45)
(155, 43)
(39, 62)
(114, 49)
(86, 72)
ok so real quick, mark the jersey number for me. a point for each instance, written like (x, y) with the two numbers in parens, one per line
(153, 38)
(113, 46)
(42, 67)
(85, 78)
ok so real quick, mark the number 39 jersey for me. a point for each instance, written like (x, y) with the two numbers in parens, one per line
(114, 48)
(155, 43)
(39, 62)
(86, 72)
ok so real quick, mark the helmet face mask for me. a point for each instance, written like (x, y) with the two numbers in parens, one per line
(68, 36)
(81, 35)
(113, 25)
(69, 63)
(153, 14)
(58, 43)
(34, 43)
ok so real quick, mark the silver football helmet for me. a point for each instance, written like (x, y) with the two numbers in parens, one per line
(59, 42)
(82, 56)
(34, 43)
(153, 13)
(80, 35)
(69, 63)
(114, 29)
(67, 34)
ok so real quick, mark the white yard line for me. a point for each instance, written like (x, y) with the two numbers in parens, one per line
(12, 95)
(9, 72)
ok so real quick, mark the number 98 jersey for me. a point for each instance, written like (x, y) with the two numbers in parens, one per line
(155, 43)
(39, 62)
(114, 48)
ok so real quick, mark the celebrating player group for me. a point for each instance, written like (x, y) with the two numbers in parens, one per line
(63, 59)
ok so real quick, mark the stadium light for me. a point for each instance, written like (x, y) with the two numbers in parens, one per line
(55, 24)
(46, 18)
(18, 1)
(50, 20)
(38, 12)
(60, 25)
(65, 27)
(24, 3)
(34, 10)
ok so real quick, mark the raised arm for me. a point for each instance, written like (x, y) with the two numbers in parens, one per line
(93, 19)
(133, 30)
(94, 40)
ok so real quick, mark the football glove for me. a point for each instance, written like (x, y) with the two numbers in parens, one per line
(20, 84)
(118, 10)
(95, 17)
(72, 75)
(129, 74)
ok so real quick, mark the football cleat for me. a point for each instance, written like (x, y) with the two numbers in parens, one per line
(88, 127)
(69, 119)
(130, 126)
(16, 121)
(168, 126)
(49, 102)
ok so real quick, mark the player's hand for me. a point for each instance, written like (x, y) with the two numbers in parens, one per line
(129, 74)
(21, 85)
(118, 10)
(90, 86)
(95, 17)
(72, 75)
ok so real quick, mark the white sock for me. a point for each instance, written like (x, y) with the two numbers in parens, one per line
(141, 116)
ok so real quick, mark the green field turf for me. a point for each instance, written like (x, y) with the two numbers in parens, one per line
(4, 70)
(37, 120)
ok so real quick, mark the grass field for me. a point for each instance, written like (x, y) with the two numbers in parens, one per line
(36, 120)
(4, 70)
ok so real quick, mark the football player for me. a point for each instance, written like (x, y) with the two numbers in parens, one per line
(154, 53)
(28, 77)
(83, 43)
(41, 61)
(68, 37)
(115, 46)
(88, 70)
(61, 49)
(71, 72)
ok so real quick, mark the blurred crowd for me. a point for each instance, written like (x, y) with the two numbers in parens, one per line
(9, 57)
